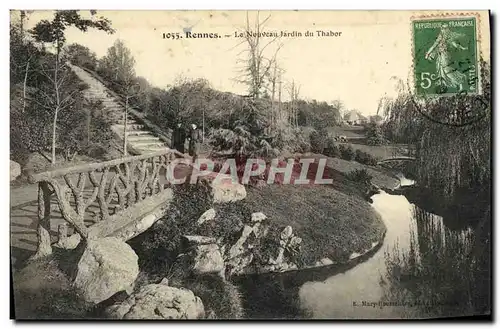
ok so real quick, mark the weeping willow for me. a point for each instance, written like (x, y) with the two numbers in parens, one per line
(450, 155)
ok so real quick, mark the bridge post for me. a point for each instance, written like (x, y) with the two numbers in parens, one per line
(43, 231)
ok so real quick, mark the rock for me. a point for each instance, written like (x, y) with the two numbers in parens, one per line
(207, 259)
(323, 262)
(107, 266)
(238, 248)
(70, 242)
(354, 255)
(164, 281)
(207, 216)
(225, 190)
(192, 240)
(286, 233)
(258, 217)
(237, 265)
(159, 301)
(15, 170)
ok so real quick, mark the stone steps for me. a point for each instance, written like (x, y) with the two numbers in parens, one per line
(151, 149)
(139, 133)
(145, 144)
(131, 127)
(139, 137)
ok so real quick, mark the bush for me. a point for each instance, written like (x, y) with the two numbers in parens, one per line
(228, 222)
(347, 152)
(318, 141)
(158, 247)
(43, 291)
(332, 149)
(360, 176)
(221, 299)
(292, 140)
(365, 158)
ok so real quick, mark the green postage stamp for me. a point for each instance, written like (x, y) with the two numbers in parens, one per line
(445, 56)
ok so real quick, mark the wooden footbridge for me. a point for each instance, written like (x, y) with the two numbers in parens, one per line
(396, 159)
(119, 198)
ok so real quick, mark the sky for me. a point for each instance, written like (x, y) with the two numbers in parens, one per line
(361, 64)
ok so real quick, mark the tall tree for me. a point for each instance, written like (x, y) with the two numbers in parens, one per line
(118, 65)
(53, 32)
(293, 92)
(256, 66)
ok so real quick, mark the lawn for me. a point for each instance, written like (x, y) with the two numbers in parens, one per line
(348, 131)
(334, 221)
(379, 151)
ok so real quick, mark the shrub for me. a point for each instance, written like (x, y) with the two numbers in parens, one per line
(221, 299)
(365, 158)
(360, 176)
(318, 142)
(292, 140)
(347, 152)
(332, 149)
(43, 291)
(228, 222)
(158, 247)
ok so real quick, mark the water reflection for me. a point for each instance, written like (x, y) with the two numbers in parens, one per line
(421, 270)
(353, 293)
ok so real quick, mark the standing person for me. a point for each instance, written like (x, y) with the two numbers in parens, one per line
(193, 141)
(178, 137)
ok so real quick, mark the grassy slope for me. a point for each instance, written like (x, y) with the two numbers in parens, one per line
(348, 131)
(333, 220)
(381, 177)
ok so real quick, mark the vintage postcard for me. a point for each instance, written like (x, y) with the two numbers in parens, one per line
(250, 164)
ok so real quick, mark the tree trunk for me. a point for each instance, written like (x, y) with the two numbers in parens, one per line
(25, 82)
(54, 126)
(89, 121)
(58, 102)
(43, 231)
(125, 122)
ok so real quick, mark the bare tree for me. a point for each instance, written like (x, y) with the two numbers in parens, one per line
(53, 32)
(293, 92)
(275, 87)
(255, 64)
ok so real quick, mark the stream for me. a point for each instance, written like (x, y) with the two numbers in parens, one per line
(361, 290)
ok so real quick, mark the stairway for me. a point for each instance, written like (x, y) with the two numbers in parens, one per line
(141, 138)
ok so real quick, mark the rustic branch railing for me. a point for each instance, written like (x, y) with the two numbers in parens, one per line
(110, 187)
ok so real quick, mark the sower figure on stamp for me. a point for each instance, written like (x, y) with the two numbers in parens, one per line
(178, 137)
(440, 51)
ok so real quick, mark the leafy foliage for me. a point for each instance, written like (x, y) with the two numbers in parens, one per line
(360, 176)
(448, 158)
(332, 149)
(374, 134)
(53, 31)
(81, 56)
(158, 247)
(47, 102)
(347, 152)
(318, 141)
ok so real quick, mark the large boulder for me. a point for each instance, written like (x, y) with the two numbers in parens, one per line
(15, 170)
(227, 190)
(159, 301)
(204, 255)
(207, 259)
(107, 266)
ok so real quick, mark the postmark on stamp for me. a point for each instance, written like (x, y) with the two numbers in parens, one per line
(445, 56)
